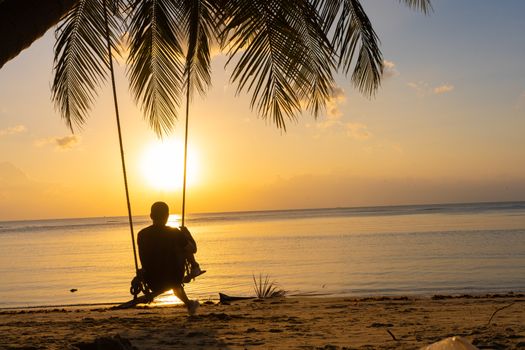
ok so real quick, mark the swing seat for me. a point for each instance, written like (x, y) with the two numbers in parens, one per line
(139, 285)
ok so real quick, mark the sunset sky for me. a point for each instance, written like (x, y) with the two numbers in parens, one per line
(447, 125)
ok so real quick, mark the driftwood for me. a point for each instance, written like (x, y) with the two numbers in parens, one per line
(224, 299)
(392, 335)
(143, 299)
(501, 308)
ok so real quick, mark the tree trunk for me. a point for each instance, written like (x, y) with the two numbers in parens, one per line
(24, 21)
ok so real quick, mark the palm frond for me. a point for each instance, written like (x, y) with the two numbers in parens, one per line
(198, 27)
(355, 41)
(283, 58)
(318, 62)
(155, 62)
(354, 35)
(285, 53)
(424, 6)
(81, 59)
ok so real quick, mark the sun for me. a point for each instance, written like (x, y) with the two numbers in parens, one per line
(162, 165)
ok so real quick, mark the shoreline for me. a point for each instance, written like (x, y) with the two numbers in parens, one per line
(374, 297)
(403, 322)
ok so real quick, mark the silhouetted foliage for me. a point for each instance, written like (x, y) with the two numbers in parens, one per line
(285, 53)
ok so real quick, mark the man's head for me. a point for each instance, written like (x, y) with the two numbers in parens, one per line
(159, 213)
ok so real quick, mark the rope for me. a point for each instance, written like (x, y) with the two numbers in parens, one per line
(120, 135)
(185, 146)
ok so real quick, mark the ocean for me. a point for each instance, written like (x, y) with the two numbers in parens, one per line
(418, 250)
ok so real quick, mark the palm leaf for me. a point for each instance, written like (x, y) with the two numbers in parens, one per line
(155, 61)
(353, 35)
(197, 25)
(81, 59)
(317, 59)
(282, 51)
(355, 40)
(424, 6)
(284, 56)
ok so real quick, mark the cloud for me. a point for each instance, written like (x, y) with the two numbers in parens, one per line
(389, 69)
(334, 122)
(17, 129)
(333, 112)
(443, 89)
(424, 89)
(61, 143)
(357, 131)
(67, 141)
(420, 87)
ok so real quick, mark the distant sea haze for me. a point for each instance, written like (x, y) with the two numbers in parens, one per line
(398, 250)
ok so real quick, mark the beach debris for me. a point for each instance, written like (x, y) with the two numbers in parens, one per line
(264, 288)
(499, 309)
(391, 334)
(452, 343)
(226, 299)
(380, 325)
(106, 343)
(73, 290)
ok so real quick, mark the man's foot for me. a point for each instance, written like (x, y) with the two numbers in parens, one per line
(195, 272)
(192, 306)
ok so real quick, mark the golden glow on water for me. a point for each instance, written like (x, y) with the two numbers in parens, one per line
(162, 164)
(167, 298)
(388, 253)
(174, 220)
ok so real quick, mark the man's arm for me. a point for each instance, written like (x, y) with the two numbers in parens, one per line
(192, 245)
(142, 249)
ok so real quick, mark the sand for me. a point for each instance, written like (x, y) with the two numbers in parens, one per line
(488, 322)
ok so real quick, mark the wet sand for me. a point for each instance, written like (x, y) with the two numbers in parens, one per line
(488, 322)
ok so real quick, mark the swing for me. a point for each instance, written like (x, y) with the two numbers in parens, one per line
(138, 283)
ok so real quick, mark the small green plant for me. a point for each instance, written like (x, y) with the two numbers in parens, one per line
(264, 288)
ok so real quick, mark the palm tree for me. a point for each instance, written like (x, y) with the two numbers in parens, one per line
(285, 53)
(24, 21)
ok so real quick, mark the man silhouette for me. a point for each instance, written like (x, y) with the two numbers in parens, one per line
(163, 252)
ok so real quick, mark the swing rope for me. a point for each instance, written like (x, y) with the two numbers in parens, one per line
(185, 146)
(137, 285)
(117, 115)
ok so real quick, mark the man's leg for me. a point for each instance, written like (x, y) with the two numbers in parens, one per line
(191, 305)
(181, 294)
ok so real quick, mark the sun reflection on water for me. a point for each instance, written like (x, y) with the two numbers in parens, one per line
(166, 299)
(174, 220)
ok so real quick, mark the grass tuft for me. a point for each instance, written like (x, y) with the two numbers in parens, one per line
(264, 288)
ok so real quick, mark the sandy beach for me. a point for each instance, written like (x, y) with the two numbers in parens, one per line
(488, 322)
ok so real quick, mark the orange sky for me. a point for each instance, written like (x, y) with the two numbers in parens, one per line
(446, 126)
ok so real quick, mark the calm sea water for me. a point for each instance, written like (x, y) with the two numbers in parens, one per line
(413, 250)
